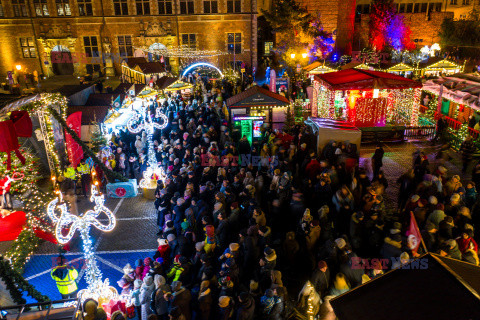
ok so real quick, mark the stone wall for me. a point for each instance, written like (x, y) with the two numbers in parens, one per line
(425, 28)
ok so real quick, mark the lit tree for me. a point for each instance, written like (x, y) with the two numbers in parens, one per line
(298, 32)
(387, 29)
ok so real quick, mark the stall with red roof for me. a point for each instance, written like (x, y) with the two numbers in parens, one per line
(366, 98)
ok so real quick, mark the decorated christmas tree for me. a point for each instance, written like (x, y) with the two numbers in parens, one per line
(25, 189)
(98, 139)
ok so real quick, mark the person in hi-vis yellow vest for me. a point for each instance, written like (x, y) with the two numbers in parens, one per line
(65, 277)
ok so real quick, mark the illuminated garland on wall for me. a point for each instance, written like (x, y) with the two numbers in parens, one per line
(325, 101)
(183, 52)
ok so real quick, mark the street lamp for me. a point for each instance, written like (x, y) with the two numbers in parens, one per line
(18, 67)
(292, 55)
(304, 55)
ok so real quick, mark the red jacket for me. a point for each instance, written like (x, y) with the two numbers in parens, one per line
(5, 185)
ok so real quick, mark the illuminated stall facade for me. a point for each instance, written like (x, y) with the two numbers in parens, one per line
(366, 98)
(255, 107)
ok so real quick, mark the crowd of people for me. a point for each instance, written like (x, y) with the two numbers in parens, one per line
(279, 238)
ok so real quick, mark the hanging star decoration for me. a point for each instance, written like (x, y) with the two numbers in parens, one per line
(143, 121)
(96, 289)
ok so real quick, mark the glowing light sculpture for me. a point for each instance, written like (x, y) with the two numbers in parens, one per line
(143, 121)
(97, 289)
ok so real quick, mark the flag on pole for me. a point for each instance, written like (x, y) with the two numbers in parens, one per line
(414, 237)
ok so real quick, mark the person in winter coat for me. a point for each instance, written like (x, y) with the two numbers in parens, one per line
(340, 285)
(205, 301)
(377, 160)
(135, 296)
(146, 291)
(160, 304)
(246, 308)
(313, 235)
(176, 314)
(321, 278)
(467, 148)
(259, 217)
(181, 297)
(392, 246)
(210, 239)
(139, 269)
(291, 248)
(226, 308)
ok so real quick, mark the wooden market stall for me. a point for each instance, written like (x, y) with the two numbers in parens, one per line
(438, 67)
(399, 68)
(366, 98)
(327, 130)
(258, 104)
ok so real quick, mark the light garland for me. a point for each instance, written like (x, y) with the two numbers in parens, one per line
(96, 289)
(183, 52)
(34, 202)
(153, 171)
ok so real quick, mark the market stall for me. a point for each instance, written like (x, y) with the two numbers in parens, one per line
(255, 103)
(438, 67)
(318, 67)
(400, 68)
(327, 130)
(366, 98)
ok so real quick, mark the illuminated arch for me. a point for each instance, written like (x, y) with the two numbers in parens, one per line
(201, 64)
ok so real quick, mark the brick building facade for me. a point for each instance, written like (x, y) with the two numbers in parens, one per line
(348, 19)
(65, 36)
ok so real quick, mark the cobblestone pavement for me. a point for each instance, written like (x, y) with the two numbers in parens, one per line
(398, 159)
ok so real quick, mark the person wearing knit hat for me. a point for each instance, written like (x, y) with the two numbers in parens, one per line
(135, 295)
(226, 307)
(146, 291)
(234, 247)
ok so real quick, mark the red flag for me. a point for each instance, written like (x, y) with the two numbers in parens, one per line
(74, 150)
(414, 237)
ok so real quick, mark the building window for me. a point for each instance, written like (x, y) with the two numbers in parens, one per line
(453, 2)
(121, 7)
(466, 2)
(234, 43)
(189, 41)
(416, 8)
(125, 46)
(19, 8)
(28, 47)
(85, 7)
(1, 9)
(438, 6)
(424, 7)
(143, 7)
(165, 7)
(91, 46)
(210, 6)
(401, 8)
(91, 68)
(268, 48)
(186, 7)
(41, 8)
(63, 8)
(234, 6)
(409, 8)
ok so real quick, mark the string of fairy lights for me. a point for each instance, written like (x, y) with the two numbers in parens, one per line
(183, 52)
(96, 288)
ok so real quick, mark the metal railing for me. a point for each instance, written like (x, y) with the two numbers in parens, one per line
(41, 306)
(420, 132)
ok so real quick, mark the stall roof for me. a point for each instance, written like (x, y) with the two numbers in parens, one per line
(164, 82)
(317, 67)
(257, 96)
(397, 67)
(355, 64)
(70, 89)
(132, 62)
(317, 123)
(125, 87)
(437, 63)
(101, 99)
(355, 79)
(90, 114)
(460, 88)
(179, 85)
(151, 67)
(430, 287)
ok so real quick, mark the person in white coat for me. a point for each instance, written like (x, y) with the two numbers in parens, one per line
(146, 291)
